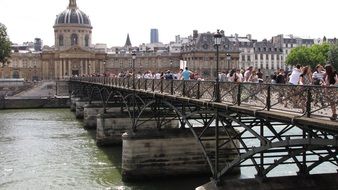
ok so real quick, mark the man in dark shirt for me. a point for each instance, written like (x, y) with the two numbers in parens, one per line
(280, 79)
(260, 76)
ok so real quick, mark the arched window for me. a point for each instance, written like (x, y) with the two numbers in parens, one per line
(16, 75)
(87, 41)
(60, 40)
(73, 39)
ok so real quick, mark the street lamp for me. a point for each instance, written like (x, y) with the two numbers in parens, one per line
(228, 59)
(171, 65)
(104, 69)
(218, 40)
(133, 57)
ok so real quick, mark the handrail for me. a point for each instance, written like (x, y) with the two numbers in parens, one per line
(305, 100)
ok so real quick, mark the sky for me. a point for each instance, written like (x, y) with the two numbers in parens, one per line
(113, 19)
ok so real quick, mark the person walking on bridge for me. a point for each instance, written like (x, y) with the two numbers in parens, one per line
(295, 75)
(186, 74)
(331, 93)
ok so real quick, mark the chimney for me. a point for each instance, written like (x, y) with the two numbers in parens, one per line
(195, 34)
(177, 39)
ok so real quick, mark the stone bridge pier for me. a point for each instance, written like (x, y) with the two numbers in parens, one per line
(169, 152)
(93, 110)
(111, 126)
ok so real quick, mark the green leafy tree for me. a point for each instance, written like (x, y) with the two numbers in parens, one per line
(5, 44)
(333, 56)
(316, 54)
(299, 55)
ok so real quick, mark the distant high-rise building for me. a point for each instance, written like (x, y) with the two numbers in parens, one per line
(154, 35)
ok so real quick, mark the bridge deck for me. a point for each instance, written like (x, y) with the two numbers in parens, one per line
(315, 121)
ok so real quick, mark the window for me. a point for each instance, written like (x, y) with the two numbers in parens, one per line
(74, 39)
(16, 74)
(60, 40)
(87, 41)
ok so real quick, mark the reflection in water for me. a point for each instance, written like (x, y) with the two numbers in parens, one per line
(49, 149)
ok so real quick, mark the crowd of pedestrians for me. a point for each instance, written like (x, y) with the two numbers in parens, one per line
(324, 76)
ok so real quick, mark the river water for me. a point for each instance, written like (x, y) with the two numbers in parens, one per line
(49, 149)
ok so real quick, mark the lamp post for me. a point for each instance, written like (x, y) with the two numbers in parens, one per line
(133, 56)
(171, 65)
(228, 60)
(104, 68)
(218, 39)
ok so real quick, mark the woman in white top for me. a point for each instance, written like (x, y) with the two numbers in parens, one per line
(294, 77)
(318, 75)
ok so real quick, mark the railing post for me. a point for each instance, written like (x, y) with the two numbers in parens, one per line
(172, 87)
(308, 102)
(268, 98)
(145, 85)
(239, 94)
(161, 85)
(153, 86)
(198, 89)
(183, 88)
(128, 85)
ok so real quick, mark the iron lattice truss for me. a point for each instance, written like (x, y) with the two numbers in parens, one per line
(255, 125)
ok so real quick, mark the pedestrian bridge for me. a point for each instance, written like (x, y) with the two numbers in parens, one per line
(266, 125)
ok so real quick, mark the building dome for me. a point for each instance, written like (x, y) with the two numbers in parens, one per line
(72, 28)
(73, 16)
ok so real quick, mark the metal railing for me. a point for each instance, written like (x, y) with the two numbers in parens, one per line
(309, 101)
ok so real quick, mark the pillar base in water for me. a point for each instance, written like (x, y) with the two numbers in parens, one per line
(73, 101)
(90, 113)
(111, 127)
(79, 113)
(165, 153)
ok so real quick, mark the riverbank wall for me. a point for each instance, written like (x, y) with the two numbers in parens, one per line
(33, 103)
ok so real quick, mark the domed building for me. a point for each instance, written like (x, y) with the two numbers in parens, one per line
(73, 54)
(72, 28)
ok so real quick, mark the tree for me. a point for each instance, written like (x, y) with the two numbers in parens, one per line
(333, 56)
(299, 55)
(314, 55)
(5, 44)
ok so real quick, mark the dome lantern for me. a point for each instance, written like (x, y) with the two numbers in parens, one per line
(72, 4)
(73, 15)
